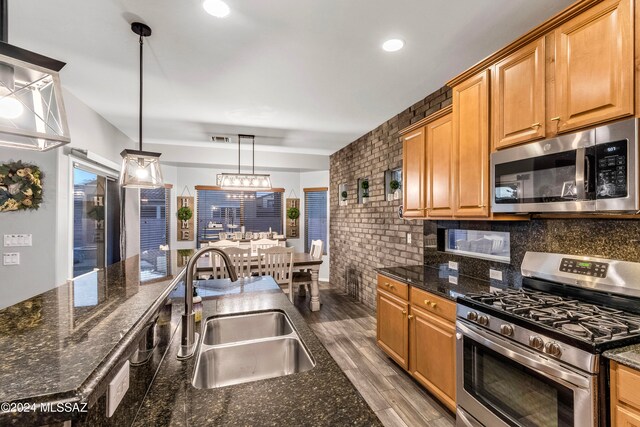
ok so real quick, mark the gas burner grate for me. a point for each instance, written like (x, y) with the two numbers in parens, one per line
(581, 320)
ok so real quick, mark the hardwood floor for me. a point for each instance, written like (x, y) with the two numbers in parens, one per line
(348, 331)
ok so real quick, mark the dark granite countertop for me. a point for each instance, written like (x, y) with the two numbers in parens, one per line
(321, 396)
(436, 280)
(59, 346)
(628, 356)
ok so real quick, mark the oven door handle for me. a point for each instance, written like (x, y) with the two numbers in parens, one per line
(548, 368)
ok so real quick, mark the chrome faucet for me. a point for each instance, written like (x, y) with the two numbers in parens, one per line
(189, 335)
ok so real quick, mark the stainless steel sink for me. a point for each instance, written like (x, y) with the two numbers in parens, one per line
(245, 348)
(224, 330)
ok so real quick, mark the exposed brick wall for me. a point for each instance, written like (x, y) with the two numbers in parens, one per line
(370, 236)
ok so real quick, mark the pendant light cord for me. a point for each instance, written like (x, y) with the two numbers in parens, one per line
(140, 108)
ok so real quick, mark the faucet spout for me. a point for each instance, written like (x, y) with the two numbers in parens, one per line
(189, 335)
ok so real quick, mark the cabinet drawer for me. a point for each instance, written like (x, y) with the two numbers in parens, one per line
(394, 287)
(434, 304)
(628, 386)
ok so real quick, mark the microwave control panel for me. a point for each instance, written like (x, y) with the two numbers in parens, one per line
(611, 170)
(585, 268)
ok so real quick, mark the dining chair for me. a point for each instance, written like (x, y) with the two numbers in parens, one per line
(277, 262)
(262, 244)
(303, 278)
(241, 260)
(215, 264)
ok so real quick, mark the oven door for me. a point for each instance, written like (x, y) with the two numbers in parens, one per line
(556, 175)
(502, 383)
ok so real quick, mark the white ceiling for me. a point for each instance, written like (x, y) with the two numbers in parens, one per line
(305, 76)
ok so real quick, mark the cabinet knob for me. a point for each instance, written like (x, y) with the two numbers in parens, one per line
(555, 119)
(392, 287)
(404, 311)
(536, 125)
(410, 316)
(433, 304)
(427, 302)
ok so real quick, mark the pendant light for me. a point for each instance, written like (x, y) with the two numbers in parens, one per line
(245, 181)
(140, 169)
(32, 114)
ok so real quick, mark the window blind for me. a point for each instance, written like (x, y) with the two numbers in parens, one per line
(229, 210)
(154, 222)
(315, 217)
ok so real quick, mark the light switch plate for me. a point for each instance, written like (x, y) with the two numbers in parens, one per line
(495, 274)
(11, 258)
(453, 265)
(12, 240)
(117, 389)
(453, 280)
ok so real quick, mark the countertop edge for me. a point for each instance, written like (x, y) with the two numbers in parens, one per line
(617, 355)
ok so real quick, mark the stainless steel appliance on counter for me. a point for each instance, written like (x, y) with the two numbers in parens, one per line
(594, 170)
(531, 356)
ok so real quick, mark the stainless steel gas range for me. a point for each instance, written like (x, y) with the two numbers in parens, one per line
(531, 356)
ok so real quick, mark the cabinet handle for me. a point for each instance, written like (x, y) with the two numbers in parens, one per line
(404, 311)
(427, 302)
(555, 119)
(410, 316)
(433, 304)
(391, 286)
(386, 284)
(536, 125)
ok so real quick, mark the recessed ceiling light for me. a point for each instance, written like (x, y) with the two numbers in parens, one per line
(393, 45)
(217, 8)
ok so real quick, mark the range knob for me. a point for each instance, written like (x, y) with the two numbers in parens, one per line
(553, 349)
(472, 315)
(536, 342)
(506, 330)
(483, 320)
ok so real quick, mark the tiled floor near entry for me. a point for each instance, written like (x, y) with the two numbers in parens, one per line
(348, 331)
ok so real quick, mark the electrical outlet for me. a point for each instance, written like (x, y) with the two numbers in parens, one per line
(11, 258)
(117, 389)
(453, 280)
(495, 274)
(453, 265)
(408, 238)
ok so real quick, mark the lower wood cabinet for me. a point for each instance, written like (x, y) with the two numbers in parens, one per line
(393, 327)
(419, 334)
(625, 398)
(432, 358)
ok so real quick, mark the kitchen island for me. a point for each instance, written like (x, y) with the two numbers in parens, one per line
(321, 396)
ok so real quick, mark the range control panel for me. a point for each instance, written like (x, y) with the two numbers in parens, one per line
(586, 268)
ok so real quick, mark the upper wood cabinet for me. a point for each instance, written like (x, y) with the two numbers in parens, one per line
(413, 164)
(440, 167)
(594, 66)
(518, 96)
(471, 144)
(393, 327)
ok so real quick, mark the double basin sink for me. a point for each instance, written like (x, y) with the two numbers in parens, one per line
(249, 347)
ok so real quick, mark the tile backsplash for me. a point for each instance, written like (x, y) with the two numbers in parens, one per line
(607, 238)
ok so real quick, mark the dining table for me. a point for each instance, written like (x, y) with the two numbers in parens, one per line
(302, 261)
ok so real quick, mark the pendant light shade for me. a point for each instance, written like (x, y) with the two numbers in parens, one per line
(32, 114)
(245, 181)
(140, 169)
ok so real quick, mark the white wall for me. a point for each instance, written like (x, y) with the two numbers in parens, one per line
(314, 180)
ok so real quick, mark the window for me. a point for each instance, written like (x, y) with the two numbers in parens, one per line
(154, 231)
(96, 219)
(315, 217)
(491, 245)
(220, 210)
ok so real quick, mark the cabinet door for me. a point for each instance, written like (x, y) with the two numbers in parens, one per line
(439, 135)
(393, 327)
(594, 66)
(519, 96)
(413, 164)
(433, 355)
(471, 142)
(624, 417)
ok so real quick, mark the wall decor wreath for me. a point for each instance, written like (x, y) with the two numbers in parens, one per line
(20, 186)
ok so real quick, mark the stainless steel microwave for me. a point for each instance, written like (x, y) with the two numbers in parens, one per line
(594, 170)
